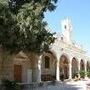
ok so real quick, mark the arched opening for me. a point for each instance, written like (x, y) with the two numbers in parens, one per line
(22, 68)
(88, 69)
(64, 67)
(82, 67)
(48, 67)
(74, 67)
(88, 66)
(47, 62)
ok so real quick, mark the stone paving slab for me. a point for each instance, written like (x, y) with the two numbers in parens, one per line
(78, 85)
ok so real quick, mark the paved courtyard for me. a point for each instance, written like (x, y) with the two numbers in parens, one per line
(72, 85)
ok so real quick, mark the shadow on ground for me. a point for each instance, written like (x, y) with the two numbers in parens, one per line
(59, 86)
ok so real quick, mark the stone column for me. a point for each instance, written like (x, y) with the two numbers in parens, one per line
(39, 69)
(85, 70)
(70, 69)
(79, 68)
(57, 71)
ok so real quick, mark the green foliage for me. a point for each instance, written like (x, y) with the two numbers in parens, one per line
(88, 74)
(82, 73)
(10, 85)
(44, 5)
(75, 75)
(33, 29)
(24, 28)
(8, 29)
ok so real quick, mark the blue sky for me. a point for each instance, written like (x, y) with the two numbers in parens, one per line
(79, 13)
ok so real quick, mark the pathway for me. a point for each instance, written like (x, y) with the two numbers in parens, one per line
(72, 85)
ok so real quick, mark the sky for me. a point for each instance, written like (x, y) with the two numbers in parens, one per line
(79, 13)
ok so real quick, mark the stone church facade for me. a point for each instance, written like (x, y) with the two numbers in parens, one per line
(64, 58)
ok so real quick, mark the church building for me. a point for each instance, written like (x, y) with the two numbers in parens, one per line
(65, 57)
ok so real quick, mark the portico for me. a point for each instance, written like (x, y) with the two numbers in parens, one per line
(65, 58)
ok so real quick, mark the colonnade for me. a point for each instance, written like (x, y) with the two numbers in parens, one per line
(84, 64)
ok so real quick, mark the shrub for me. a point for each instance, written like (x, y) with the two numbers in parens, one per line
(88, 74)
(10, 85)
(75, 75)
(82, 73)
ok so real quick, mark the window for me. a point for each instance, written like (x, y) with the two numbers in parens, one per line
(47, 62)
(62, 38)
(65, 26)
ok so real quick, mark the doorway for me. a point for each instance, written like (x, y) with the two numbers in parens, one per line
(18, 73)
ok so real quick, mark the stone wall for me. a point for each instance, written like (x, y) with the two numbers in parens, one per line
(27, 61)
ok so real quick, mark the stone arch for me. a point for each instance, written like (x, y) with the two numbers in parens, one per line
(82, 68)
(82, 65)
(48, 66)
(74, 67)
(21, 66)
(64, 66)
(66, 55)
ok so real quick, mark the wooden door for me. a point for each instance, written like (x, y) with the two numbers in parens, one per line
(18, 73)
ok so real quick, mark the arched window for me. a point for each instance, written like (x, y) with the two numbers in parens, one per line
(62, 38)
(65, 26)
(47, 62)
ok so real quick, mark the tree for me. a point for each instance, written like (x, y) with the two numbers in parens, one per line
(45, 5)
(8, 28)
(22, 26)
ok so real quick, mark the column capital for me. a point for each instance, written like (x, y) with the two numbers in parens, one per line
(58, 58)
(79, 59)
(70, 61)
(71, 57)
(85, 62)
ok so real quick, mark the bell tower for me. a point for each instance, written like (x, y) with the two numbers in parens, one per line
(66, 27)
